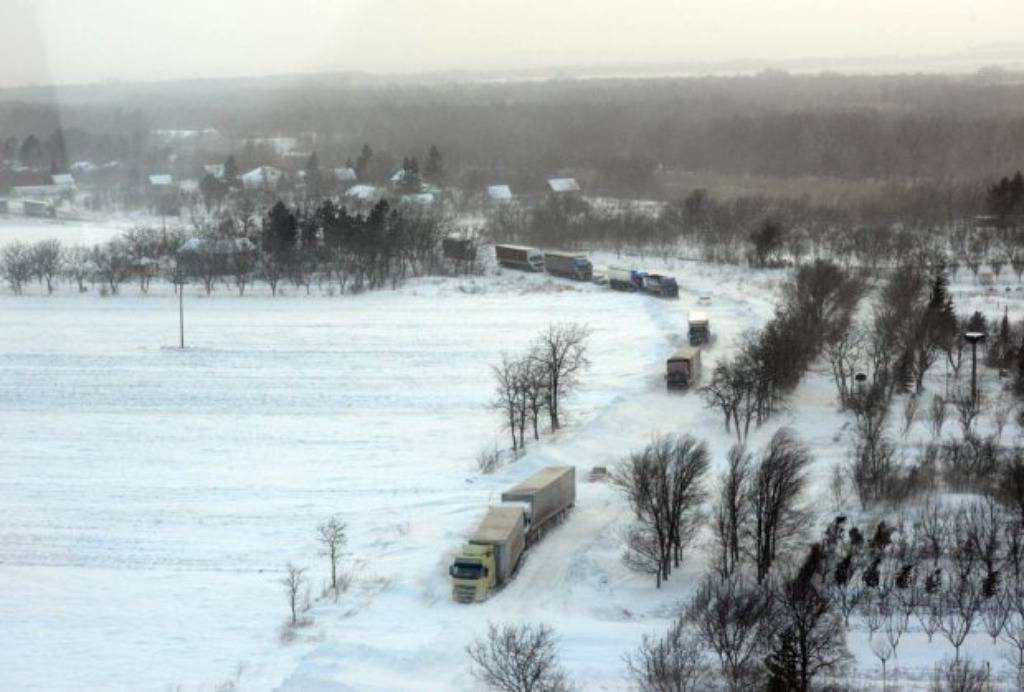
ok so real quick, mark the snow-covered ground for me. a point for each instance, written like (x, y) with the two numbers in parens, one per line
(152, 497)
(19, 229)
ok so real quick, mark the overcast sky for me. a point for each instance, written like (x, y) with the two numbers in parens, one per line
(72, 41)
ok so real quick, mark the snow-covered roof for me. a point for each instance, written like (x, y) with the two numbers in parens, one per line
(214, 169)
(62, 179)
(261, 174)
(217, 246)
(698, 316)
(161, 179)
(363, 192)
(563, 185)
(424, 198)
(345, 174)
(83, 167)
(499, 193)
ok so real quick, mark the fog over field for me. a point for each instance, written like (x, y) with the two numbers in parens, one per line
(527, 347)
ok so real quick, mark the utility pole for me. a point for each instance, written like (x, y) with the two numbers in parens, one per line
(179, 283)
(973, 338)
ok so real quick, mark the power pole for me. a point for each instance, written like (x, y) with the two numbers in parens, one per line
(973, 338)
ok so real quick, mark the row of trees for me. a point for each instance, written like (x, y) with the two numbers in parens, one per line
(325, 244)
(535, 383)
(817, 303)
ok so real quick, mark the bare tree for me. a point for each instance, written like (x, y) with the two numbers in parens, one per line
(961, 676)
(518, 659)
(509, 397)
(673, 663)
(967, 410)
(293, 582)
(909, 413)
(735, 619)
(664, 486)
(562, 351)
(332, 537)
(844, 352)
(77, 266)
(732, 510)
(47, 259)
(776, 486)
(937, 415)
(1003, 411)
(16, 265)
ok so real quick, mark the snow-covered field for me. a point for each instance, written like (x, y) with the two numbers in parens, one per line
(152, 497)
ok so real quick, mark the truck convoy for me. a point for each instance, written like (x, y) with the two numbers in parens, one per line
(520, 257)
(700, 330)
(571, 265)
(495, 548)
(658, 285)
(682, 369)
(624, 279)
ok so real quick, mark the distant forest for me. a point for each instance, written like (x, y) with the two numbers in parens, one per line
(617, 135)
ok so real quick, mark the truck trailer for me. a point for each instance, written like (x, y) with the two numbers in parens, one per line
(622, 279)
(493, 552)
(659, 285)
(571, 265)
(682, 369)
(519, 257)
(700, 328)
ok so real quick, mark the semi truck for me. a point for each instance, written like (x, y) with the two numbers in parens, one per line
(494, 550)
(520, 257)
(622, 279)
(659, 285)
(571, 265)
(700, 329)
(682, 369)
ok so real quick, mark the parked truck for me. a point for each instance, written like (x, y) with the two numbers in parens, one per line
(682, 370)
(659, 285)
(622, 279)
(520, 257)
(571, 265)
(700, 329)
(492, 554)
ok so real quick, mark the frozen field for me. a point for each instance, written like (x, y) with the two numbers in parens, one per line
(152, 497)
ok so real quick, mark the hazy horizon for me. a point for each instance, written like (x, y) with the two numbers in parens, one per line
(57, 42)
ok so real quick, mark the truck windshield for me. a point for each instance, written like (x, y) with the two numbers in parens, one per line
(467, 570)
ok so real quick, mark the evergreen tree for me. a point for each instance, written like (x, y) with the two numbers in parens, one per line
(433, 166)
(363, 162)
(230, 170)
(783, 664)
(280, 232)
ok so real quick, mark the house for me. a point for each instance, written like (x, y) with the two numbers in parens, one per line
(499, 193)
(363, 193)
(345, 175)
(42, 192)
(63, 180)
(563, 186)
(161, 180)
(262, 177)
(31, 207)
(214, 169)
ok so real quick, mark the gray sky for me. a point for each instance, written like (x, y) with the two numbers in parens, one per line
(70, 41)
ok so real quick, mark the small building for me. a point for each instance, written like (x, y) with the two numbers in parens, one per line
(266, 177)
(499, 193)
(214, 169)
(37, 208)
(345, 175)
(363, 193)
(563, 186)
(422, 199)
(161, 180)
(63, 180)
(43, 192)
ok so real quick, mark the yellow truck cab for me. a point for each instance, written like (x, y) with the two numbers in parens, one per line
(492, 554)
